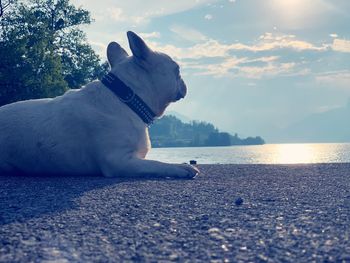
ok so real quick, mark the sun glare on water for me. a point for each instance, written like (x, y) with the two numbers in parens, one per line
(294, 153)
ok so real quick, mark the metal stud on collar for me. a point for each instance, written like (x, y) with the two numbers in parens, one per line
(129, 97)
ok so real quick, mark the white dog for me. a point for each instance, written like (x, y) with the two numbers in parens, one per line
(91, 130)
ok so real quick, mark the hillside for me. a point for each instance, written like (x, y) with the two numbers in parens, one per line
(329, 126)
(169, 131)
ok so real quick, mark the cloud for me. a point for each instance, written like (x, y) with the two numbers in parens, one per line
(335, 79)
(217, 69)
(341, 45)
(100, 48)
(197, 57)
(240, 67)
(116, 14)
(188, 33)
(211, 48)
(270, 69)
(208, 17)
(150, 35)
(207, 49)
(271, 41)
(137, 11)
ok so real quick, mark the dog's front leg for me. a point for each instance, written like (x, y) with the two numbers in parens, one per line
(141, 168)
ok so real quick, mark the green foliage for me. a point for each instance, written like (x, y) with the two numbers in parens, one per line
(43, 52)
(171, 132)
(29, 68)
(3, 6)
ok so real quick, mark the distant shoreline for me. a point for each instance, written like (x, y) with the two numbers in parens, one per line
(256, 154)
(207, 146)
(170, 131)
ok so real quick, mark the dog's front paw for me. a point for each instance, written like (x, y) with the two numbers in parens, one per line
(187, 171)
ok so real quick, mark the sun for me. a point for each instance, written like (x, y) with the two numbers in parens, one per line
(290, 4)
(293, 13)
(290, 7)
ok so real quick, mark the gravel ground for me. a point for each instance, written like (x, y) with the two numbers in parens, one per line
(289, 213)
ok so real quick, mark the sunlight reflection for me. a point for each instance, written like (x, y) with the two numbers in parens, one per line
(257, 154)
(294, 153)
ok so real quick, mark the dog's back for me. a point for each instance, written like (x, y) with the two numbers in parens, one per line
(35, 136)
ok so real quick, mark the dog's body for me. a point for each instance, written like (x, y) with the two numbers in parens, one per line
(90, 131)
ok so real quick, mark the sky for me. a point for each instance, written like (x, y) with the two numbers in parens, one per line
(252, 67)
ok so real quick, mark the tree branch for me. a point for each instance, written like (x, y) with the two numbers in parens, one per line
(3, 7)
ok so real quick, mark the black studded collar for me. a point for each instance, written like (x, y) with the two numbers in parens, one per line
(129, 97)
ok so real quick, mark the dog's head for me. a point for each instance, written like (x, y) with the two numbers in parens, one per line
(153, 75)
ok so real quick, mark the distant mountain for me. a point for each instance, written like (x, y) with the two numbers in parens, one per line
(329, 126)
(180, 116)
(170, 131)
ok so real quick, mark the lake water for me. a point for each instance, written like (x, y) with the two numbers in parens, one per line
(261, 154)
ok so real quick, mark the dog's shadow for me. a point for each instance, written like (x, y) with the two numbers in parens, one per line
(26, 197)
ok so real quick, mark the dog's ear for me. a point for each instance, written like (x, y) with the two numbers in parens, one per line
(115, 53)
(138, 47)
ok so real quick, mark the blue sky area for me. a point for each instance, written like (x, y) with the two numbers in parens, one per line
(251, 66)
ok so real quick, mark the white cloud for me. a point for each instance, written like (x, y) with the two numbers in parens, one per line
(114, 17)
(116, 14)
(195, 58)
(236, 67)
(208, 17)
(240, 67)
(210, 48)
(253, 68)
(150, 35)
(341, 45)
(270, 69)
(217, 69)
(100, 48)
(335, 79)
(188, 33)
(333, 35)
(270, 41)
(137, 11)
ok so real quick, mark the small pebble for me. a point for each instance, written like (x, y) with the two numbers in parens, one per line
(193, 162)
(239, 201)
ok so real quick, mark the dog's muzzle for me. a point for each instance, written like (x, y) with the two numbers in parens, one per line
(182, 91)
(179, 96)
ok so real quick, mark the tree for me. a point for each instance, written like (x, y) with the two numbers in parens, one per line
(3, 6)
(218, 139)
(253, 141)
(29, 67)
(43, 51)
(172, 132)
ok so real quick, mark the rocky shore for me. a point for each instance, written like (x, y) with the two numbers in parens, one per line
(229, 213)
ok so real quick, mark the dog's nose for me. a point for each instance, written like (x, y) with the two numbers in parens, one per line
(179, 96)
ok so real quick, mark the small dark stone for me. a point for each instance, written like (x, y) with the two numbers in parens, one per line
(204, 227)
(239, 201)
(193, 162)
(205, 217)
